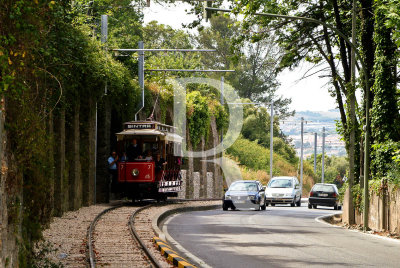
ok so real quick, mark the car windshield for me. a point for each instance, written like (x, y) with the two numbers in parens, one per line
(243, 186)
(281, 183)
(323, 188)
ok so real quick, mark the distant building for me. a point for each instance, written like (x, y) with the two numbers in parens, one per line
(313, 123)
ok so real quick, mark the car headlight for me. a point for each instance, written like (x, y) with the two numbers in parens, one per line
(252, 197)
(135, 172)
(268, 194)
(289, 194)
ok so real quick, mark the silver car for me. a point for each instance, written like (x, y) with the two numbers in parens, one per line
(283, 190)
(245, 194)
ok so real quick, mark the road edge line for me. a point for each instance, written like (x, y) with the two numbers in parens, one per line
(320, 219)
(157, 219)
(181, 249)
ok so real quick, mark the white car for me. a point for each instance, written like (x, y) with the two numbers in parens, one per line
(283, 190)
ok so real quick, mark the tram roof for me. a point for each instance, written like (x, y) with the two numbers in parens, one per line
(149, 128)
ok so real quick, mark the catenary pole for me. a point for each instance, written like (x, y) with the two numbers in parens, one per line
(271, 142)
(315, 152)
(103, 38)
(301, 155)
(141, 75)
(323, 154)
(222, 103)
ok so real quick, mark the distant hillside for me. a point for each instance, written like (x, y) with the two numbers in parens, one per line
(322, 116)
(254, 161)
(313, 123)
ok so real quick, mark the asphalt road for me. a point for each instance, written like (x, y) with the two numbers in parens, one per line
(281, 236)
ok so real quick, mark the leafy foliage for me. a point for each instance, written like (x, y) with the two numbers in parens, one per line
(255, 64)
(385, 117)
(385, 163)
(336, 168)
(198, 117)
(302, 40)
(162, 36)
(255, 158)
(48, 63)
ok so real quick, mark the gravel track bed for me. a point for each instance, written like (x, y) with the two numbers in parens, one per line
(145, 218)
(67, 236)
(113, 243)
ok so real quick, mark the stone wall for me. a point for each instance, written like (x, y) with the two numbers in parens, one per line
(196, 182)
(383, 212)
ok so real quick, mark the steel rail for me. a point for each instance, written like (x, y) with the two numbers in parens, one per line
(92, 257)
(135, 235)
(89, 242)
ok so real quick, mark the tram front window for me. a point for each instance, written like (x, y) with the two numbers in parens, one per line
(149, 150)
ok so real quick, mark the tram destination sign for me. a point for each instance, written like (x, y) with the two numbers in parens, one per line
(139, 126)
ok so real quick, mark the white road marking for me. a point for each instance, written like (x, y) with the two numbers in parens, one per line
(320, 220)
(180, 248)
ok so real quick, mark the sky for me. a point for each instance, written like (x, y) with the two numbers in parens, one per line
(307, 94)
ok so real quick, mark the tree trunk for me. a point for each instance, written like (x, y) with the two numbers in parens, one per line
(103, 141)
(352, 123)
(60, 191)
(51, 163)
(91, 151)
(203, 177)
(189, 174)
(76, 165)
(10, 191)
(367, 43)
(216, 168)
(351, 156)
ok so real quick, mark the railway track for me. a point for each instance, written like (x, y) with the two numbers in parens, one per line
(121, 236)
(113, 240)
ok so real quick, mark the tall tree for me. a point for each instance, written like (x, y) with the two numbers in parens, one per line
(303, 40)
(385, 110)
(254, 63)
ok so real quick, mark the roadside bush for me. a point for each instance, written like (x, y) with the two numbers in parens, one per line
(255, 159)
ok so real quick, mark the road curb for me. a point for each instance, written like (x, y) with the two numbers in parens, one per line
(162, 242)
(171, 255)
(322, 219)
(159, 218)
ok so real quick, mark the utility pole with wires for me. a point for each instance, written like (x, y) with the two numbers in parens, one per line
(222, 103)
(323, 155)
(141, 50)
(271, 143)
(315, 152)
(104, 36)
(301, 146)
(141, 68)
(301, 155)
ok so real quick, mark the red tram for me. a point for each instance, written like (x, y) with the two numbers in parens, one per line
(148, 167)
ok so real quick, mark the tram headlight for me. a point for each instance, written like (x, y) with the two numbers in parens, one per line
(135, 172)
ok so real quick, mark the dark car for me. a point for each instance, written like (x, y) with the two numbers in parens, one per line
(324, 194)
(244, 194)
